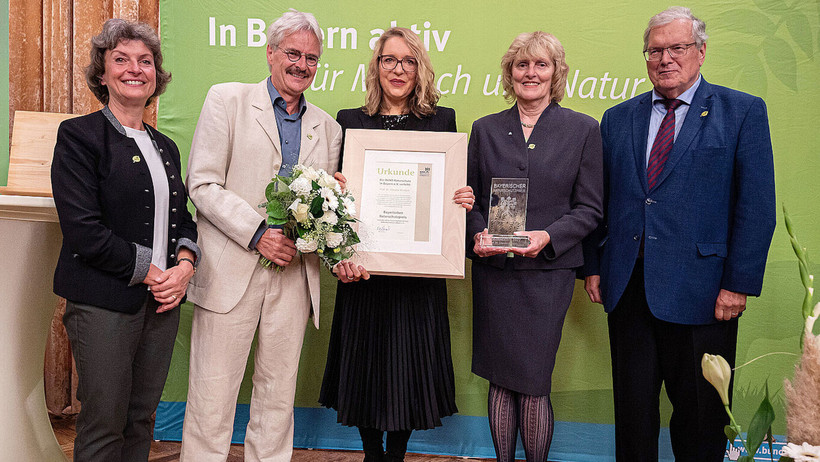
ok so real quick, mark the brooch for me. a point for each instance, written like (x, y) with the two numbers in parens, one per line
(135, 159)
(310, 137)
(704, 113)
(531, 146)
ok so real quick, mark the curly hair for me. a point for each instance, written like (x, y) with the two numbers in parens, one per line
(115, 31)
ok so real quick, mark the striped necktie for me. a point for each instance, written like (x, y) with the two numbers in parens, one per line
(664, 141)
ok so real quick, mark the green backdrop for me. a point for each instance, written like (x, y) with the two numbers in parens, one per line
(769, 48)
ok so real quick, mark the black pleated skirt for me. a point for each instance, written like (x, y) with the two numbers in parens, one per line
(388, 364)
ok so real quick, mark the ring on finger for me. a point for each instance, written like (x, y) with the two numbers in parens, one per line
(173, 296)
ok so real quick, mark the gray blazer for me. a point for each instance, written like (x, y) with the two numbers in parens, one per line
(563, 161)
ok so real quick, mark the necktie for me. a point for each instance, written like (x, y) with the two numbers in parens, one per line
(663, 142)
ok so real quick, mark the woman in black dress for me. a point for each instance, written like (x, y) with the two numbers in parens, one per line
(389, 366)
(519, 303)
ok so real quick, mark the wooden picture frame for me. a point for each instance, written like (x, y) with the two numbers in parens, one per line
(403, 183)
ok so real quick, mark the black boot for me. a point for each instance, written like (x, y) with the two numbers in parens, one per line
(397, 445)
(372, 444)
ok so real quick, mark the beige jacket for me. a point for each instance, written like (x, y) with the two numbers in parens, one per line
(234, 154)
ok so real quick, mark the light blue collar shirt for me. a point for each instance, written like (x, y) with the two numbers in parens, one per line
(659, 111)
(290, 129)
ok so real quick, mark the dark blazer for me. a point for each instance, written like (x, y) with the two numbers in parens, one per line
(708, 221)
(562, 160)
(105, 201)
(444, 120)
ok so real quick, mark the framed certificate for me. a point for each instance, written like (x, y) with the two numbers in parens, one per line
(404, 182)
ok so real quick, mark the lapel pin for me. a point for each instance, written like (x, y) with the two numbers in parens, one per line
(704, 113)
(510, 133)
(531, 146)
(310, 137)
(135, 159)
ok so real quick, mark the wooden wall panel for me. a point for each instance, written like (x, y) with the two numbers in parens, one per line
(57, 28)
(88, 19)
(25, 56)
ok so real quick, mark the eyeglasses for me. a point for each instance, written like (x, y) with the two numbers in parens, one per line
(294, 57)
(390, 62)
(675, 51)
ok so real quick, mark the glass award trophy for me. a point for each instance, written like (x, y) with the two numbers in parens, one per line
(508, 213)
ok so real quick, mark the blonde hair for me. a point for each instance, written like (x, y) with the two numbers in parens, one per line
(422, 101)
(534, 46)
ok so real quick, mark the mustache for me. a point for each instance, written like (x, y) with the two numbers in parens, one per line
(297, 72)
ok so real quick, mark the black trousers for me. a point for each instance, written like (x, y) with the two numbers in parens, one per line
(122, 363)
(647, 352)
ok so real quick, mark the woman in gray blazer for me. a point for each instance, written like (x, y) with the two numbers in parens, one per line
(520, 301)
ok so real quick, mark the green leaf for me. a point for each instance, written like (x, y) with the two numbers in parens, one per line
(270, 189)
(276, 221)
(781, 61)
(275, 209)
(746, 458)
(315, 186)
(770, 440)
(785, 459)
(316, 206)
(761, 424)
(730, 433)
(798, 27)
(745, 21)
(768, 6)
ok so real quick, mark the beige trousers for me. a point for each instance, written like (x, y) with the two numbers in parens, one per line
(278, 303)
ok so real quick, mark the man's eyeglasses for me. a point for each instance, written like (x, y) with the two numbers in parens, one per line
(294, 57)
(389, 62)
(675, 51)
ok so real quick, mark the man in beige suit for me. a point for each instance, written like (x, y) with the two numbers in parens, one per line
(246, 134)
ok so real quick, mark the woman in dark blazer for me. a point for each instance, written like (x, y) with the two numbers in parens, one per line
(519, 303)
(129, 245)
(389, 366)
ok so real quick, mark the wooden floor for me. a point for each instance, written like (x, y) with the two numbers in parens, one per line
(162, 451)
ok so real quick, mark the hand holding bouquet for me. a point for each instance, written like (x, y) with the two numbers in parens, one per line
(314, 212)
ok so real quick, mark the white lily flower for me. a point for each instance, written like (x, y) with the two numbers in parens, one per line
(717, 371)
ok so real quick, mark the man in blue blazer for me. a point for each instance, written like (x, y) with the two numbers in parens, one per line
(689, 216)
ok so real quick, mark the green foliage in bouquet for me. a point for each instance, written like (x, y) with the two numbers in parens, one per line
(314, 212)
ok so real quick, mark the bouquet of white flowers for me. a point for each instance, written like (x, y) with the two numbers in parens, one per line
(314, 212)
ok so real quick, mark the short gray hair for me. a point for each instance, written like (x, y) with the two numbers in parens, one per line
(293, 21)
(113, 32)
(674, 13)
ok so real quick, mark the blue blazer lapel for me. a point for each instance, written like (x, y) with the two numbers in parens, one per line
(640, 131)
(701, 103)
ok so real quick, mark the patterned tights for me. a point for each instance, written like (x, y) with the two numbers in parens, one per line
(510, 411)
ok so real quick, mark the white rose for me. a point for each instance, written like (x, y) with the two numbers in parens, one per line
(301, 186)
(350, 206)
(300, 210)
(329, 218)
(327, 181)
(309, 173)
(334, 239)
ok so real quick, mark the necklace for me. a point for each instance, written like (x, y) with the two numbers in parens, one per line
(527, 125)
